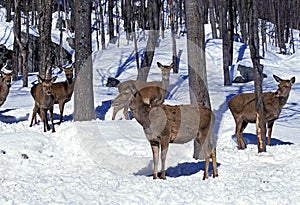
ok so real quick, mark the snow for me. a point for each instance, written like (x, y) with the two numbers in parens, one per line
(110, 162)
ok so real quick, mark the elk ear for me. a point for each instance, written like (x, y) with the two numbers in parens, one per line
(277, 78)
(53, 79)
(159, 65)
(133, 89)
(172, 65)
(293, 79)
(40, 78)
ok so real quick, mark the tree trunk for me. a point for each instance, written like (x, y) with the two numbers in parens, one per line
(198, 85)
(226, 43)
(45, 25)
(83, 90)
(280, 27)
(230, 31)
(118, 22)
(173, 33)
(212, 19)
(23, 46)
(258, 77)
(60, 19)
(102, 26)
(111, 21)
(162, 19)
(263, 37)
(8, 5)
(243, 12)
(135, 39)
(153, 9)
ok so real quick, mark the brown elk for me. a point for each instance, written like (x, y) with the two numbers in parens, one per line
(125, 92)
(44, 99)
(242, 107)
(166, 124)
(5, 84)
(63, 91)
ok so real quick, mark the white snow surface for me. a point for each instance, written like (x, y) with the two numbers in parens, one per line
(110, 162)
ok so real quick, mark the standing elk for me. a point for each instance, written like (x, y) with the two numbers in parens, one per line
(44, 99)
(179, 124)
(5, 84)
(242, 107)
(125, 92)
(63, 91)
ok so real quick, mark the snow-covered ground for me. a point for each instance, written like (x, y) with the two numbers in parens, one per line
(110, 162)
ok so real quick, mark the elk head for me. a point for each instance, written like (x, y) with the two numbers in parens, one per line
(6, 78)
(47, 84)
(284, 86)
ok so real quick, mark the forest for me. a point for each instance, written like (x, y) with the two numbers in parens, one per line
(230, 20)
(205, 52)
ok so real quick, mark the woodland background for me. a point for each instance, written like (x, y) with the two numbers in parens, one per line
(230, 20)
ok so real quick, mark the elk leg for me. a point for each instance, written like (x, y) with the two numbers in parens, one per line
(44, 118)
(115, 111)
(125, 112)
(33, 117)
(164, 149)
(155, 152)
(61, 109)
(270, 127)
(51, 118)
(205, 175)
(240, 127)
(214, 162)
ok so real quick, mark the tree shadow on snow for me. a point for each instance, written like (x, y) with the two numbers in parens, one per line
(11, 119)
(182, 169)
(252, 139)
(102, 110)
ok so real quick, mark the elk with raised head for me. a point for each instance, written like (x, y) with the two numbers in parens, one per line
(242, 107)
(44, 99)
(63, 91)
(125, 92)
(179, 124)
(5, 84)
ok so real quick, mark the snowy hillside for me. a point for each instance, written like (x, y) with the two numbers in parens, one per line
(110, 162)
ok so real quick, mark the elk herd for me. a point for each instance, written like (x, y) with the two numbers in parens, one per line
(162, 124)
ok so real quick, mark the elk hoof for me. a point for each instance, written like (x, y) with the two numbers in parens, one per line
(215, 175)
(242, 146)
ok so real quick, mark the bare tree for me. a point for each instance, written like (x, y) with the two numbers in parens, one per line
(196, 57)
(23, 45)
(173, 16)
(102, 25)
(83, 91)
(153, 18)
(242, 6)
(45, 8)
(111, 21)
(226, 41)
(8, 6)
(213, 18)
(134, 35)
(258, 76)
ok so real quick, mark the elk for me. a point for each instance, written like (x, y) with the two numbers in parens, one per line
(125, 92)
(63, 91)
(242, 107)
(5, 84)
(164, 124)
(44, 99)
